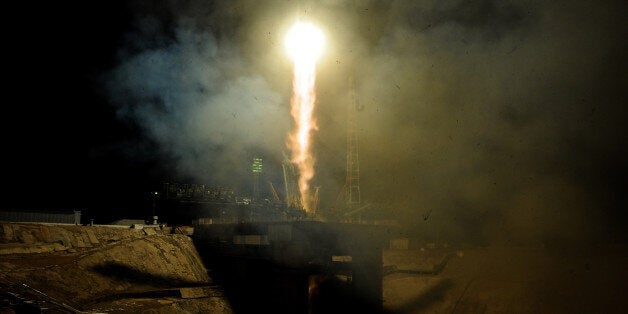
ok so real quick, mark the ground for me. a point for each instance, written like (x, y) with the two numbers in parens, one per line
(150, 270)
(104, 269)
(506, 280)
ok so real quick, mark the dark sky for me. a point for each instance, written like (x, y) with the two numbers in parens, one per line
(53, 115)
(498, 120)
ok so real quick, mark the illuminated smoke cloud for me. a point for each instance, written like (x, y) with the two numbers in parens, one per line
(482, 120)
(197, 99)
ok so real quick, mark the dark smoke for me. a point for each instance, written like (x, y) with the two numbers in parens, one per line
(484, 121)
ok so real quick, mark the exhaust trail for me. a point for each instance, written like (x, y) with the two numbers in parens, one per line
(304, 43)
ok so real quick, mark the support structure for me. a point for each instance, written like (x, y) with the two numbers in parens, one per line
(290, 177)
(298, 266)
(352, 184)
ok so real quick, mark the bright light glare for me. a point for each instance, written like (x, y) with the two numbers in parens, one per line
(304, 41)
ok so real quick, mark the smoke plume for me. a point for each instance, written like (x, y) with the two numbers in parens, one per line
(196, 98)
(490, 121)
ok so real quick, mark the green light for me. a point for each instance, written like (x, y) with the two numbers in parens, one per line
(257, 165)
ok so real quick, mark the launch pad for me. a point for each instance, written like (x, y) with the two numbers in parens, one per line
(297, 267)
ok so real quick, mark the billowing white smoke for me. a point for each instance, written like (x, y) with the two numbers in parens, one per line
(197, 100)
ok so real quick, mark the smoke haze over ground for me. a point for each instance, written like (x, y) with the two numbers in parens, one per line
(489, 121)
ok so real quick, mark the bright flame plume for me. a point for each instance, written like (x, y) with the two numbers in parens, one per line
(304, 44)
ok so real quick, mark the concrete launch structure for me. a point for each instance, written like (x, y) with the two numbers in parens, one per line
(298, 266)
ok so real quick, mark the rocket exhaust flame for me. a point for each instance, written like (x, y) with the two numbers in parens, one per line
(304, 43)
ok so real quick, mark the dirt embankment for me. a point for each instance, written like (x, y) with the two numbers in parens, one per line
(108, 269)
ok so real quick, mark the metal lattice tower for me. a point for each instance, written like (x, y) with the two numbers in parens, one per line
(352, 184)
(290, 177)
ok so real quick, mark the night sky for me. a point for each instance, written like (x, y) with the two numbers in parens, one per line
(500, 121)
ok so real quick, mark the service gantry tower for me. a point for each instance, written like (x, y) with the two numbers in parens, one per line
(352, 184)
